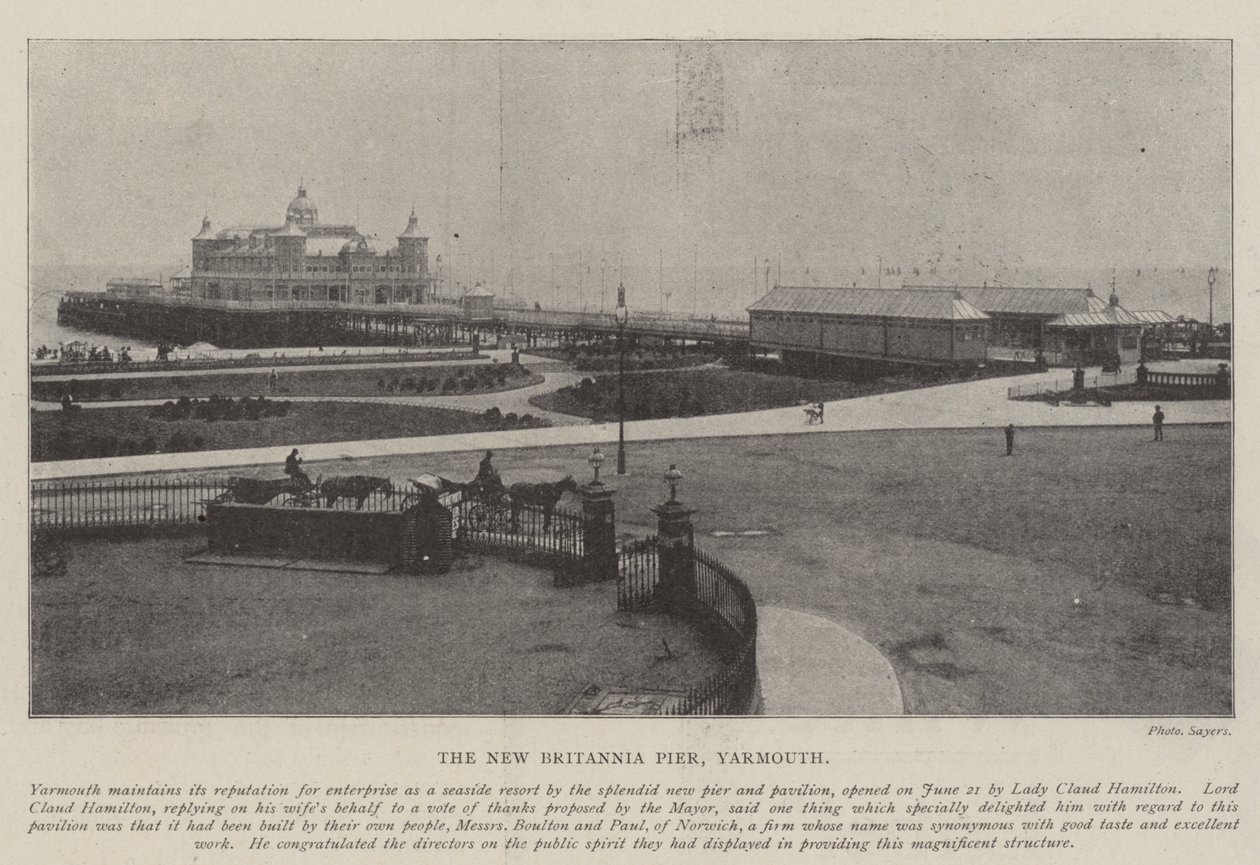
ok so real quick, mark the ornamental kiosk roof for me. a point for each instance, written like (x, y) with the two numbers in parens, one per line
(1152, 316)
(1110, 316)
(932, 304)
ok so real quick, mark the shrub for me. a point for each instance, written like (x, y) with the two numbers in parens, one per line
(469, 383)
(449, 384)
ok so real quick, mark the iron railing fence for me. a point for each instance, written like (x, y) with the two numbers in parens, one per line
(638, 574)
(182, 501)
(1061, 385)
(127, 502)
(495, 525)
(718, 603)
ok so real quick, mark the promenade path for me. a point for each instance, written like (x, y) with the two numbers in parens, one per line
(808, 665)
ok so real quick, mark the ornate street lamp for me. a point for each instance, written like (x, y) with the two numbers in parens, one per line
(622, 315)
(595, 460)
(672, 477)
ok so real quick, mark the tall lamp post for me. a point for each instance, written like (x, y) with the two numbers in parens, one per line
(622, 315)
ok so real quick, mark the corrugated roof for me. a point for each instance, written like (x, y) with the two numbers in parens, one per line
(875, 302)
(1027, 300)
(1152, 316)
(1111, 316)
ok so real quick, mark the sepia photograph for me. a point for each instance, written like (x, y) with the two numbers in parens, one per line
(824, 379)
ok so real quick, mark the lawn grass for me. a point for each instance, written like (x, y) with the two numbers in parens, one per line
(330, 381)
(130, 628)
(962, 565)
(86, 433)
(717, 390)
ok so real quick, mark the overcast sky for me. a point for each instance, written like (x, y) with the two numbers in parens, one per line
(1085, 155)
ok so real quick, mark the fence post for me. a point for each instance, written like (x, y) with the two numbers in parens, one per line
(677, 545)
(599, 533)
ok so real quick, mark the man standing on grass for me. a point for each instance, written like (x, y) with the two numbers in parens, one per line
(1010, 438)
(1158, 420)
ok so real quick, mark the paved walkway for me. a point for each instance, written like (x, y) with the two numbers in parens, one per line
(809, 665)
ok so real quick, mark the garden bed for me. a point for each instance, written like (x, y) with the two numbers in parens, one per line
(431, 380)
(105, 432)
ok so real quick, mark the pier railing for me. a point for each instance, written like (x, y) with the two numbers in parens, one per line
(658, 323)
(277, 358)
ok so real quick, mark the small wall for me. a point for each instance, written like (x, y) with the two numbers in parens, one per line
(315, 533)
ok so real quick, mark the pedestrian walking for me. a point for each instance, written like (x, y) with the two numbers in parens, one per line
(1010, 438)
(1158, 420)
(821, 409)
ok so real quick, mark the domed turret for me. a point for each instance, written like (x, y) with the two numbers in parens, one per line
(302, 210)
(413, 249)
(413, 227)
(206, 233)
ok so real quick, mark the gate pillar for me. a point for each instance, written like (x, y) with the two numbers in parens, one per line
(675, 544)
(599, 533)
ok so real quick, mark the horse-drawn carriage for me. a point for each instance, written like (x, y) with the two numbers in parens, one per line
(486, 504)
(300, 492)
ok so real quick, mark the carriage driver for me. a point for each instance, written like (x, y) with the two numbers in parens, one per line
(293, 467)
(487, 476)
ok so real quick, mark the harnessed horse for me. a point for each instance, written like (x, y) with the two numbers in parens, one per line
(544, 495)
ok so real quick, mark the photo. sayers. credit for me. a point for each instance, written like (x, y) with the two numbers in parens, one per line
(630, 378)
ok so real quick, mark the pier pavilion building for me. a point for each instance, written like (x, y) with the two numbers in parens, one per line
(306, 260)
(811, 325)
(1067, 325)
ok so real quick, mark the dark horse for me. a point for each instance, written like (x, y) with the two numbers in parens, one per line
(357, 487)
(544, 496)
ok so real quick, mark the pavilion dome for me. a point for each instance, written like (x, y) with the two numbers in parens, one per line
(302, 210)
